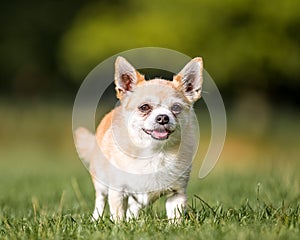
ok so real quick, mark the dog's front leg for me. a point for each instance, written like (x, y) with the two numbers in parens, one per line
(101, 194)
(99, 205)
(175, 205)
(117, 204)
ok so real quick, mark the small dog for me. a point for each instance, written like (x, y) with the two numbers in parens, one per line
(143, 148)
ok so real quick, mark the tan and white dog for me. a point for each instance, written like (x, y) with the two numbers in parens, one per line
(143, 148)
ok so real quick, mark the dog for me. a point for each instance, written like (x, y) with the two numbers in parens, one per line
(144, 147)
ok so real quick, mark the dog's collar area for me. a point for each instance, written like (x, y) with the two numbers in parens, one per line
(158, 134)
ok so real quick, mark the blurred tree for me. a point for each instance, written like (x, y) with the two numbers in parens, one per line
(48, 47)
(30, 34)
(245, 44)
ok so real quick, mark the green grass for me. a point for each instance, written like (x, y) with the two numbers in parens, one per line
(46, 193)
(56, 207)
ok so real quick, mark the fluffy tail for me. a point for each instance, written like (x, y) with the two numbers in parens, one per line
(85, 143)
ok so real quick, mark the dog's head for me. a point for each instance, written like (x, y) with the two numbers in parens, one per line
(155, 110)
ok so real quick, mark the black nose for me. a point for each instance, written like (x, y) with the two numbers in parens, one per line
(162, 119)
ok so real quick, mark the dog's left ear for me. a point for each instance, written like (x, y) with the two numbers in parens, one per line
(189, 80)
(126, 77)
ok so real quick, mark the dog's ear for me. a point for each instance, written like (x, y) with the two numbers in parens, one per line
(189, 80)
(126, 77)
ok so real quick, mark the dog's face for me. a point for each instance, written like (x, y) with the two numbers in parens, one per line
(156, 110)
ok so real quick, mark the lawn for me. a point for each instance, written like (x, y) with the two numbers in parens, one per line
(46, 193)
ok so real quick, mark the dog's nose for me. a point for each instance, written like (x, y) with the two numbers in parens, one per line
(162, 119)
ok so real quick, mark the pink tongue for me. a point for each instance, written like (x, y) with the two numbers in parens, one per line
(159, 135)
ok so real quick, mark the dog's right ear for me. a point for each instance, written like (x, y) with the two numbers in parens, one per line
(126, 77)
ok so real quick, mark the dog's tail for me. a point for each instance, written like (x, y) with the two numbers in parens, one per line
(85, 143)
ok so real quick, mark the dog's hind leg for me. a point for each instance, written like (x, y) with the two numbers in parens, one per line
(117, 203)
(133, 208)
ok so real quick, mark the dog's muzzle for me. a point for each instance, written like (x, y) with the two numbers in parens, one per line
(159, 133)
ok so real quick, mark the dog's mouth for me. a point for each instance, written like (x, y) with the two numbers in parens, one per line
(158, 134)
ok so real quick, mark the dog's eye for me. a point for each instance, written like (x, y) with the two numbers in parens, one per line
(145, 108)
(176, 108)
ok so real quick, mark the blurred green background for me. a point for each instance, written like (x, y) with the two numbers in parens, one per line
(250, 48)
